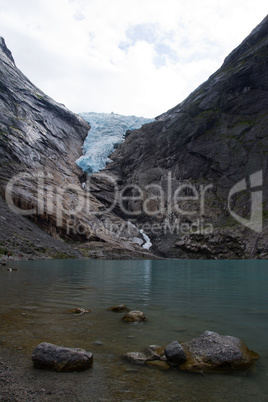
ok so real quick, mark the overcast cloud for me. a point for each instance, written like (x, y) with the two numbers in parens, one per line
(134, 57)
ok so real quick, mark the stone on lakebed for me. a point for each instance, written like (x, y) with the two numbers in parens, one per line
(158, 364)
(58, 358)
(119, 308)
(78, 311)
(135, 357)
(134, 316)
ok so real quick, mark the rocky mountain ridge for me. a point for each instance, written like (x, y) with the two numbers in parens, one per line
(40, 140)
(211, 148)
(195, 180)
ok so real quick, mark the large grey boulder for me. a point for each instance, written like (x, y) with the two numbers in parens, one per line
(57, 358)
(211, 351)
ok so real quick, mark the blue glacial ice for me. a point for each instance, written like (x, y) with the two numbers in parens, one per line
(107, 131)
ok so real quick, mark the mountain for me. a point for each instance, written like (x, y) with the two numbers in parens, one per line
(196, 179)
(42, 203)
(192, 184)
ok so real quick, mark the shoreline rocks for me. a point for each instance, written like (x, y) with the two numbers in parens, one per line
(210, 352)
(52, 357)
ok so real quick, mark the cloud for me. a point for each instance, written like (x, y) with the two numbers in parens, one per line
(132, 57)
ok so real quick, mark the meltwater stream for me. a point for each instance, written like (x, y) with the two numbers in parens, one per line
(107, 131)
(181, 300)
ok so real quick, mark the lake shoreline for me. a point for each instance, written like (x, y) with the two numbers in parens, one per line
(181, 300)
(20, 381)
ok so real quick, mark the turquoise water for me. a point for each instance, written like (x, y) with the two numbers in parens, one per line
(181, 300)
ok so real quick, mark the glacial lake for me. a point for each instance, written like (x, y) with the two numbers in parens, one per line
(181, 300)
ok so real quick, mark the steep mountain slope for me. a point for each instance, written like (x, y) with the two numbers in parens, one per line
(197, 178)
(40, 140)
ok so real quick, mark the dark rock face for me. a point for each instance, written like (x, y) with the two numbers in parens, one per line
(199, 166)
(53, 357)
(175, 353)
(40, 140)
(211, 351)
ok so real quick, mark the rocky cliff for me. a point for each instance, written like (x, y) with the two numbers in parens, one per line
(196, 179)
(40, 140)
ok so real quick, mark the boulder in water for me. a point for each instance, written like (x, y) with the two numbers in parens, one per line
(134, 316)
(119, 308)
(211, 351)
(57, 358)
(175, 353)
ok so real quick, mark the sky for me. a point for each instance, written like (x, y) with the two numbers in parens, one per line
(132, 57)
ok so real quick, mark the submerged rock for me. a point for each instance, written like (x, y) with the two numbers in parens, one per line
(159, 364)
(175, 353)
(136, 357)
(211, 351)
(78, 310)
(57, 358)
(134, 316)
(118, 308)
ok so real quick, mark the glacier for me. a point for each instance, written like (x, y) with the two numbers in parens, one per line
(107, 131)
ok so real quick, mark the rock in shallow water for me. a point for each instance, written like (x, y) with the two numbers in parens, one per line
(57, 358)
(211, 351)
(134, 316)
(158, 364)
(136, 357)
(118, 308)
(78, 310)
(175, 353)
